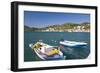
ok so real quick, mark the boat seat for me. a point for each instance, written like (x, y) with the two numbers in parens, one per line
(52, 52)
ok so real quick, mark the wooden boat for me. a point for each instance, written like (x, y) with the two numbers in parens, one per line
(47, 52)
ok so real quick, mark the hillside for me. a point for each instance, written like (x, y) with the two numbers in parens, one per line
(66, 27)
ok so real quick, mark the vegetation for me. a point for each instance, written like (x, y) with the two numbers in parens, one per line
(68, 27)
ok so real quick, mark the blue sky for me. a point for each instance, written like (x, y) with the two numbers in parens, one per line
(43, 19)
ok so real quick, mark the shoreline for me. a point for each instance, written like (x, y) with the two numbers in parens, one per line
(56, 31)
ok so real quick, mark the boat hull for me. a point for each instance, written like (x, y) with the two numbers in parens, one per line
(72, 44)
(45, 57)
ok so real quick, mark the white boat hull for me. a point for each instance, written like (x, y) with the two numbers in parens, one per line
(72, 43)
(44, 57)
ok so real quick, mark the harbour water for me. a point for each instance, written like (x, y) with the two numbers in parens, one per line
(53, 38)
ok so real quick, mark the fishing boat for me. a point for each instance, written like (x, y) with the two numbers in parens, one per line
(72, 43)
(47, 52)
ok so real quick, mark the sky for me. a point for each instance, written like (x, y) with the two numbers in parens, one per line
(44, 19)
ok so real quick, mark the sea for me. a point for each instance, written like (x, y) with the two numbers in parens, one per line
(53, 38)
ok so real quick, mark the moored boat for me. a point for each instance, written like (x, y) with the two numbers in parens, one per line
(72, 43)
(47, 52)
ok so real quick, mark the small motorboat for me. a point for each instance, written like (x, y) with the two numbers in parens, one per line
(47, 52)
(72, 43)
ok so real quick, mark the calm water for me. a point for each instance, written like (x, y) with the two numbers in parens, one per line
(52, 38)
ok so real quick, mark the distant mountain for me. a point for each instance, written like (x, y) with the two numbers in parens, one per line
(62, 27)
(27, 28)
(85, 23)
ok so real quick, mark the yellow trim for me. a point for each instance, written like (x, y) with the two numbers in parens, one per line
(55, 51)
